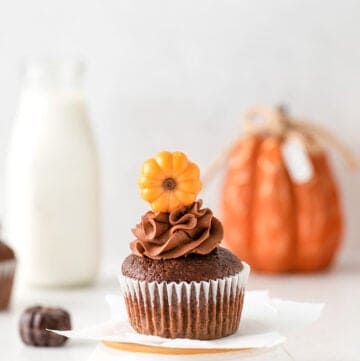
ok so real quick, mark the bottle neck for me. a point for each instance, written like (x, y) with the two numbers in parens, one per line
(53, 75)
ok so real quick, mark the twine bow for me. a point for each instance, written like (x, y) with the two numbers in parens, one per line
(277, 122)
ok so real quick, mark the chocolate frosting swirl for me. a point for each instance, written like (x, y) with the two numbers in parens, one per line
(186, 230)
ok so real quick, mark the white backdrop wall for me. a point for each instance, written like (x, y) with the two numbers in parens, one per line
(178, 74)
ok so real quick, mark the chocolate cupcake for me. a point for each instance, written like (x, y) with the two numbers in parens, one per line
(7, 272)
(178, 282)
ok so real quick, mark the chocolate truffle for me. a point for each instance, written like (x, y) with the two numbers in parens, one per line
(7, 272)
(36, 321)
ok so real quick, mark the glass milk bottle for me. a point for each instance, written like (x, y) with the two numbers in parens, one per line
(52, 185)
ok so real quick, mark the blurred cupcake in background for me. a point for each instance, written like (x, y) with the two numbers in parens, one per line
(7, 273)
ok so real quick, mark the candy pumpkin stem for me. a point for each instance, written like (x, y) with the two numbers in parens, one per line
(169, 184)
(283, 109)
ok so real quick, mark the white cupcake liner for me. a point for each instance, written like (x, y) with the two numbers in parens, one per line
(136, 288)
(204, 310)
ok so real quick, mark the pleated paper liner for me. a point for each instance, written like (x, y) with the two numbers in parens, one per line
(138, 348)
(195, 310)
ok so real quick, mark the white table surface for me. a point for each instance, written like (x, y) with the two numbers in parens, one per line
(335, 337)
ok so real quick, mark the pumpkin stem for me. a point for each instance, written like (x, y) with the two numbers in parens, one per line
(283, 109)
(169, 184)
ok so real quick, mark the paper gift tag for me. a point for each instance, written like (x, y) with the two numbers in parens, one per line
(297, 160)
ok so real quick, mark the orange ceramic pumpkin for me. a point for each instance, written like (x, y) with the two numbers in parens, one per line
(272, 222)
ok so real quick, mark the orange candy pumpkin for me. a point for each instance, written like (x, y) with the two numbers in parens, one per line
(168, 181)
(272, 222)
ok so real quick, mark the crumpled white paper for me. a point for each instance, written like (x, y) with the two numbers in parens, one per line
(266, 322)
